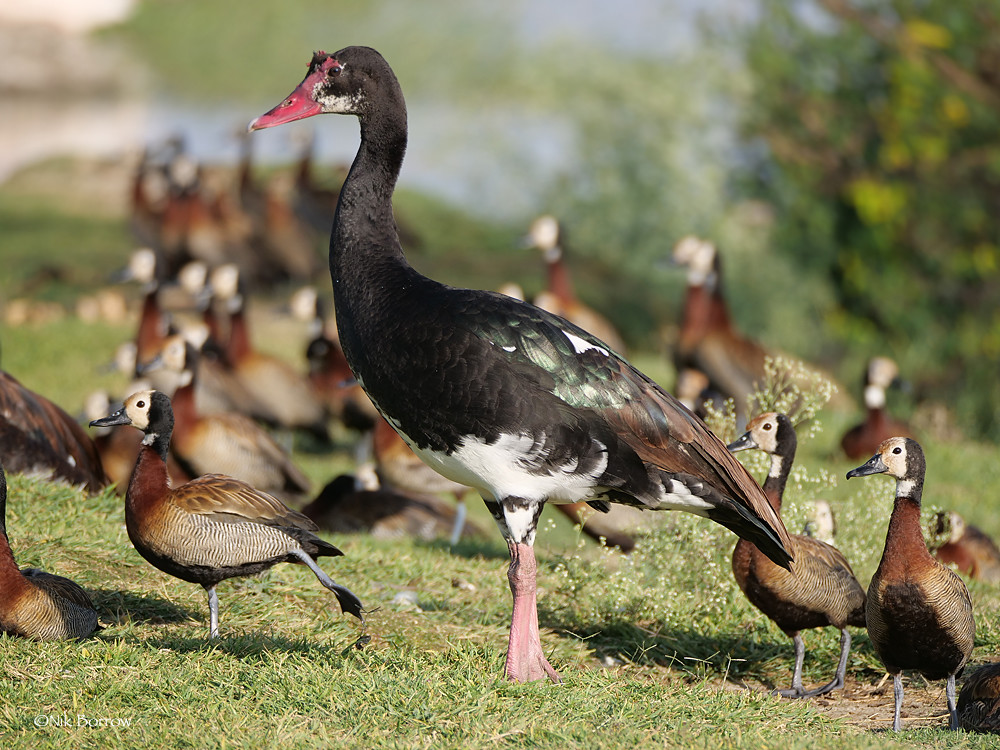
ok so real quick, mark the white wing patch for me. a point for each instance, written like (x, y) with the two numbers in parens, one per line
(580, 346)
(678, 496)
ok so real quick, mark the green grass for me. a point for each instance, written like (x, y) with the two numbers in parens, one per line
(286, 672)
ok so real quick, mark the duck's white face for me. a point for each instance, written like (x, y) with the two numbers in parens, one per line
(763, 430)
(826, 525)
(193, 276)
(882, 371)
(303, 304)
(142, 265)
(137, 408)
(195, 334)
(697, 255)
(125, 356)
(225, 281)
(893, 455)
(544, 232)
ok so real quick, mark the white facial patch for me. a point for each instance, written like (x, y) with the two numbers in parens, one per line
(345, 105)
(544, 232)
(699, 257)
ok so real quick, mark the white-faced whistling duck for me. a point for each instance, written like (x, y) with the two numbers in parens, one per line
(821, 523)
(820, 589)
(228, 443)
(965, 546)
(214, 527)
(39, 437)
(864, 439)
(559, 298)
(344, 507)
(919, 612)
(119, 446)
(517, 403)
(708, 341)
(277, 389)
(39, 605)
(329, 374)
(154, 325)
(979, 701)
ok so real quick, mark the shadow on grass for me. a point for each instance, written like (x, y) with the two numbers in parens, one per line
(734, 656)
(253, 646)
(470, 548)
(121, 607)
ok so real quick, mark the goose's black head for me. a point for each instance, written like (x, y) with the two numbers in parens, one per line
(338, 83)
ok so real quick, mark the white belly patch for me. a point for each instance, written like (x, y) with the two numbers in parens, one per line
(501, 469)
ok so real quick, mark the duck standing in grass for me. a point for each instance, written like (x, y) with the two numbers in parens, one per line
(820, 589)
(517, 403)
(919, 612)
(35, 604)
(213, 527)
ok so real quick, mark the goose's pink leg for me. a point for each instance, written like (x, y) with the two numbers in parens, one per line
(525, 660)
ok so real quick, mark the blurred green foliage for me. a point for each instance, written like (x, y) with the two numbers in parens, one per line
(226, 50)
(880, 126)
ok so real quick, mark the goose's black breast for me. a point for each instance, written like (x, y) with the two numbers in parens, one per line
(450, 364)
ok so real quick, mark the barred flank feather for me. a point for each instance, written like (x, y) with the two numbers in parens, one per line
(35, 604)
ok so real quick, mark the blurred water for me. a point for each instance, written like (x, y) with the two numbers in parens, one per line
(453, 152)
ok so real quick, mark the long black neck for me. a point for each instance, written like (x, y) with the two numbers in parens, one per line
(366, 260)
(364, 230)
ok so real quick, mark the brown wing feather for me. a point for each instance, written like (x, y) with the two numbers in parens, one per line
(827, 554)
(47, 422)
(665, 434)
(217, 495)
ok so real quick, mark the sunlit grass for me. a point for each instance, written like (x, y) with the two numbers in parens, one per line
(654, 647)
(668, 619)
